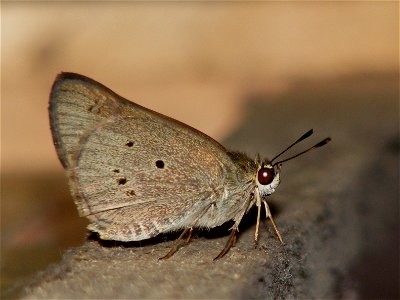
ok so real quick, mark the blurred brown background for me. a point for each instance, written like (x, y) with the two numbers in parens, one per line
(196, 62)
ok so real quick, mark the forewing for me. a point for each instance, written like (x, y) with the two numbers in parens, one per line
(77, 104)
(133, 172)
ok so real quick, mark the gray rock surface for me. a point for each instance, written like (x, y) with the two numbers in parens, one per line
(337, 209)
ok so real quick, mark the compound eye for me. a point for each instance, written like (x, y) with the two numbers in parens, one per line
(265, 176)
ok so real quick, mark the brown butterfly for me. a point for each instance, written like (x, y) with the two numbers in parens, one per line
(135, 173)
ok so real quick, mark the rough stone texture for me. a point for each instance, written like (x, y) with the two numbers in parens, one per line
(337, 209)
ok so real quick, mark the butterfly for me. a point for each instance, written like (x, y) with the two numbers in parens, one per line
(135, 173)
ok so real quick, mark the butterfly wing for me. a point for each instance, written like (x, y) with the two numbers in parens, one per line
(133, 172)
(77, 104)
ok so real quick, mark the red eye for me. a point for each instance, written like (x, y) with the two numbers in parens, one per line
(265, 176)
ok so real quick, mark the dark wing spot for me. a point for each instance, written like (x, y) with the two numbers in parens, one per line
(160, 164)
(121, 181)
(129, 144)
(116, 170)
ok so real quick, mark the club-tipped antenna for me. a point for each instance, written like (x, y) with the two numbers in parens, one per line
(303, 137)
(320, 144)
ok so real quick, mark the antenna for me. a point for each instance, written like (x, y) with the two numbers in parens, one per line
(320, 144)
(303, 137)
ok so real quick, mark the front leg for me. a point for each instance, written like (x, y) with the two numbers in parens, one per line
(269, 215)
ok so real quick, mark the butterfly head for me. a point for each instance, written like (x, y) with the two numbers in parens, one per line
(268, 178)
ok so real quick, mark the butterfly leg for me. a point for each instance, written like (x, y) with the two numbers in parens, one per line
(234, 230)
(258, 204)
(189, 236)
(269, 215)
(229, 244)
(177, 243)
